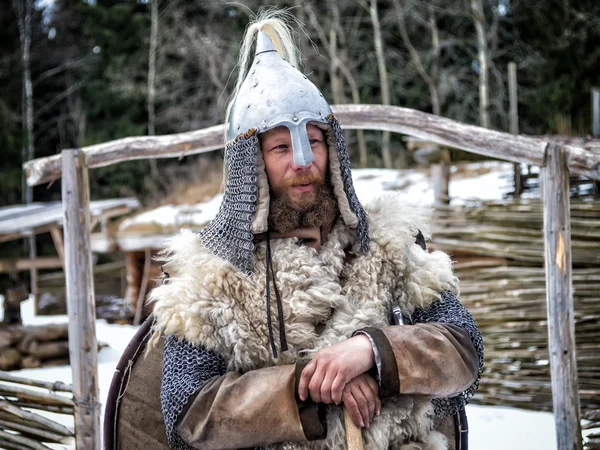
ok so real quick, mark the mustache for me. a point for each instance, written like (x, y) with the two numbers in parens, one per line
(310, 177)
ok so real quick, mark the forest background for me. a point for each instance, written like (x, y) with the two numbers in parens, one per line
(79, 72)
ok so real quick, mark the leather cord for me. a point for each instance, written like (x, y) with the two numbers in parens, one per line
(271, 274)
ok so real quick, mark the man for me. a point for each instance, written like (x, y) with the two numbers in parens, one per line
(240, 373)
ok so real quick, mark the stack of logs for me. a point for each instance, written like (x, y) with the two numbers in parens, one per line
(24, 405)
(26, 347)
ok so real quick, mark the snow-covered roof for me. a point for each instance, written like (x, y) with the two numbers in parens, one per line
(19, 220)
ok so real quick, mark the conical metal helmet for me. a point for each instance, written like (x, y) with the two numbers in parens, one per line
(273, 94)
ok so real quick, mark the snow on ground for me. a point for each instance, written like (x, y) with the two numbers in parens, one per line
(490, 428)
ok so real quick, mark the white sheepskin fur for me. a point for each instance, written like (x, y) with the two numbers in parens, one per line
(208, 302)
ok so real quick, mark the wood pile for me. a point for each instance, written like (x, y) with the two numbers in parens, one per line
(28, 347)
(109, 284)
(24, 404)
(499, 250)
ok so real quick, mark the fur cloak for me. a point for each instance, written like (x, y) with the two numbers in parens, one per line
(327, 294)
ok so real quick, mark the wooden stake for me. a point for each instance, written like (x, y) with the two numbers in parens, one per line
(83, 348)
(596, 112)
(440, 176)
(139, 306)
(353, 433)
(559, 295)
(514, 119)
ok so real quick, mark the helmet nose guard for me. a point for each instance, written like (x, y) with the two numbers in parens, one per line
(276, 94)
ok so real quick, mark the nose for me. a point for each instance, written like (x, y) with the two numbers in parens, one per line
(301, 167)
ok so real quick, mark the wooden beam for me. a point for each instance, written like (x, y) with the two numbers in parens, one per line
(559, 294)
(437, 129)
(57, 238)
(25, 233)
(25, 264)
(83, 347)
(43, 170)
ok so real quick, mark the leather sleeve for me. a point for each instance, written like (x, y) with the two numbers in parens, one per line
(434, 359)
(257, 408)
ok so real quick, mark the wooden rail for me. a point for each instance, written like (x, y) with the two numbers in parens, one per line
(443, 131)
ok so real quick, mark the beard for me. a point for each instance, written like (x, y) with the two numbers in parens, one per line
(315, 209)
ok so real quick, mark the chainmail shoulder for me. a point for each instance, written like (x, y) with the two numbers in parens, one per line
(229, 235)
(362, 230)
(450, 310)
(185, 369)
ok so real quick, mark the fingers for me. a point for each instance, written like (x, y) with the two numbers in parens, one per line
(305, 378)
(337, 389)
(369, 401)
(374, 387)
(363, 405)
(315, 383)
(361, 396)
(325, 390)
(352, 407)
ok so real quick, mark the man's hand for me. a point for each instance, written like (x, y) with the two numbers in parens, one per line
(325, 377)
(361, 399)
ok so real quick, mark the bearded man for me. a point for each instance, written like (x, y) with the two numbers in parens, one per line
(365, 316)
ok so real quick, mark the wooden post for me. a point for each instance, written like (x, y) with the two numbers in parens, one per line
(33, 273)
(559, 295)
(596, 112)
(514, 119)
(83, 348)
(440, 175)
(139, 306)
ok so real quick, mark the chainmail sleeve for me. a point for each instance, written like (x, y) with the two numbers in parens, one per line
(185, 369)
(450, 310)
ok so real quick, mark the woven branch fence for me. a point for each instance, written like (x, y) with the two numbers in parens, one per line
(499, 252)
(22, 427)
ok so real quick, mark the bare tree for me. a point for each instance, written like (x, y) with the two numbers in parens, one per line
(23, 9)
(383, 79)
(483, 60)
(152, 78)
(337, 64)
(431, 78)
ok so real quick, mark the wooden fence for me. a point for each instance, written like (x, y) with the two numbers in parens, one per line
(557, 161)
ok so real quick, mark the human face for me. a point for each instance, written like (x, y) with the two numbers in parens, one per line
(286, 177)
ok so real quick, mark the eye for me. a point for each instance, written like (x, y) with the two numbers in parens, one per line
(314, 141)
(280, 148)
